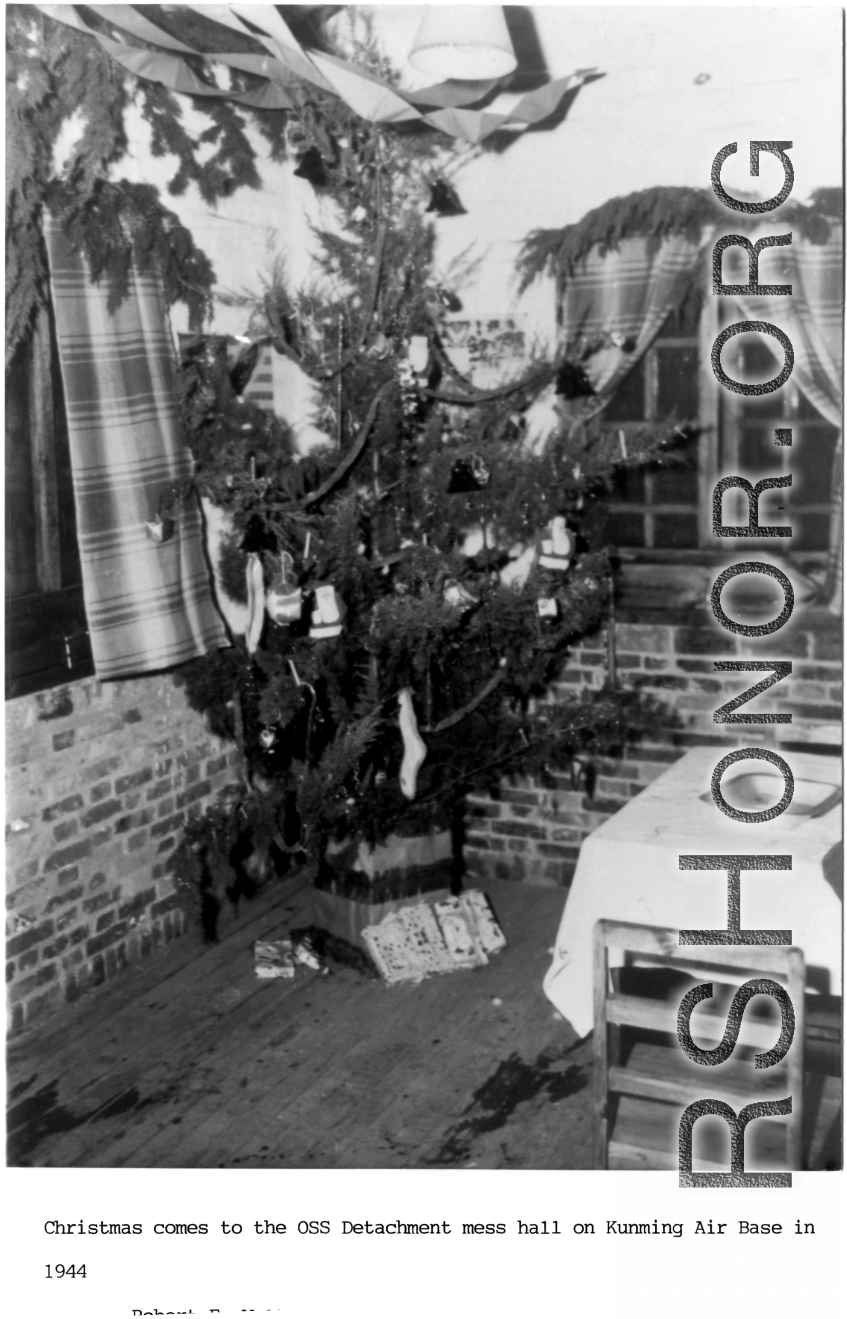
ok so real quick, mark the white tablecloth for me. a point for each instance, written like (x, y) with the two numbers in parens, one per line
(628, 870)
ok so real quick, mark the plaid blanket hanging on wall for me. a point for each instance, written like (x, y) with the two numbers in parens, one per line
(148, 601)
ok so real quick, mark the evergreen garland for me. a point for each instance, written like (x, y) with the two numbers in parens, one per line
(655, 213)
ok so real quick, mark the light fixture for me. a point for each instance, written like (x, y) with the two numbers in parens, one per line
(470, 42)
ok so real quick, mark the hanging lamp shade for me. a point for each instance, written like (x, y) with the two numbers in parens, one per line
(463, 41)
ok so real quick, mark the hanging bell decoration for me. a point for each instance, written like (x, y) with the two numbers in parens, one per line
(572, 382)
(284, 601)
(257, 538)
(311, 167)
(557, 548)
(468, 475)
(444, 200)
(267, 738)
(327, 614)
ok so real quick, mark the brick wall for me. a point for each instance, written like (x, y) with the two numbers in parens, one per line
(533, 834)
(100, 780)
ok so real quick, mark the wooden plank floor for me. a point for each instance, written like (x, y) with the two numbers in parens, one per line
(189, 1061)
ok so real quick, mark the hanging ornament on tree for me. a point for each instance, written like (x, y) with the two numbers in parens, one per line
(257, 538)
(468, 474)
(548, 606)
(458, 596)
(414, 748)
(572, 382)
(311, 167)
(267, 738)
(379, 347)
(255, 602)
(242, 369)
(557, 548)
(418, 353)
(327, 613)
(284, 602)
(444, 200)
(160, 529)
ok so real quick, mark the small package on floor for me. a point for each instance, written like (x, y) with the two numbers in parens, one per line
(420, 940)
(273, 959)
(306, 954)
(487, 930)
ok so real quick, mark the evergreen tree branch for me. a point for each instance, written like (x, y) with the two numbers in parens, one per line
(353, 453)
(474, 704)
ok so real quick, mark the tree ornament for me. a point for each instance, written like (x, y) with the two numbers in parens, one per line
(284, 602)
(468, 474)
(572, 382)
(379, 347)
(161, 528)
(458, 596)
(257, 539)
(557, 548)
(255, 602)
(548, 606)
(267, 738)
(418, 353)
(242, 369)
(311, 167)
(327, 614)
(444, 200)
(414, 748)
(442, 299)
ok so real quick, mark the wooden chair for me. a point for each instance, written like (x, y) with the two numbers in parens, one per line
(643, 1079)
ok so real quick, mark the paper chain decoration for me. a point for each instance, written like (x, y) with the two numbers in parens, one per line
(440, 106)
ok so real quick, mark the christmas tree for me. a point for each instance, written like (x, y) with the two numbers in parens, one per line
(414, 584)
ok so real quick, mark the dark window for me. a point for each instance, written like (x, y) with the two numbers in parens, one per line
(46, 632)
(657, 507)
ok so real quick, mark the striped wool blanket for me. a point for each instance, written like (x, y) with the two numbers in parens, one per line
(148, 602)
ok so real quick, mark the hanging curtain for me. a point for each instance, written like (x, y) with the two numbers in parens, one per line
(628, 291)
(148, 601)
(811, 317)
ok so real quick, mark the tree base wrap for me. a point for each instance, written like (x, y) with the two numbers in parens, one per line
(345, 918)
(358, 884)
(396, 868)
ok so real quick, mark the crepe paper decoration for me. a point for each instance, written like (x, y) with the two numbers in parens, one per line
(285, 61)
(444, 200)
(414, 748)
